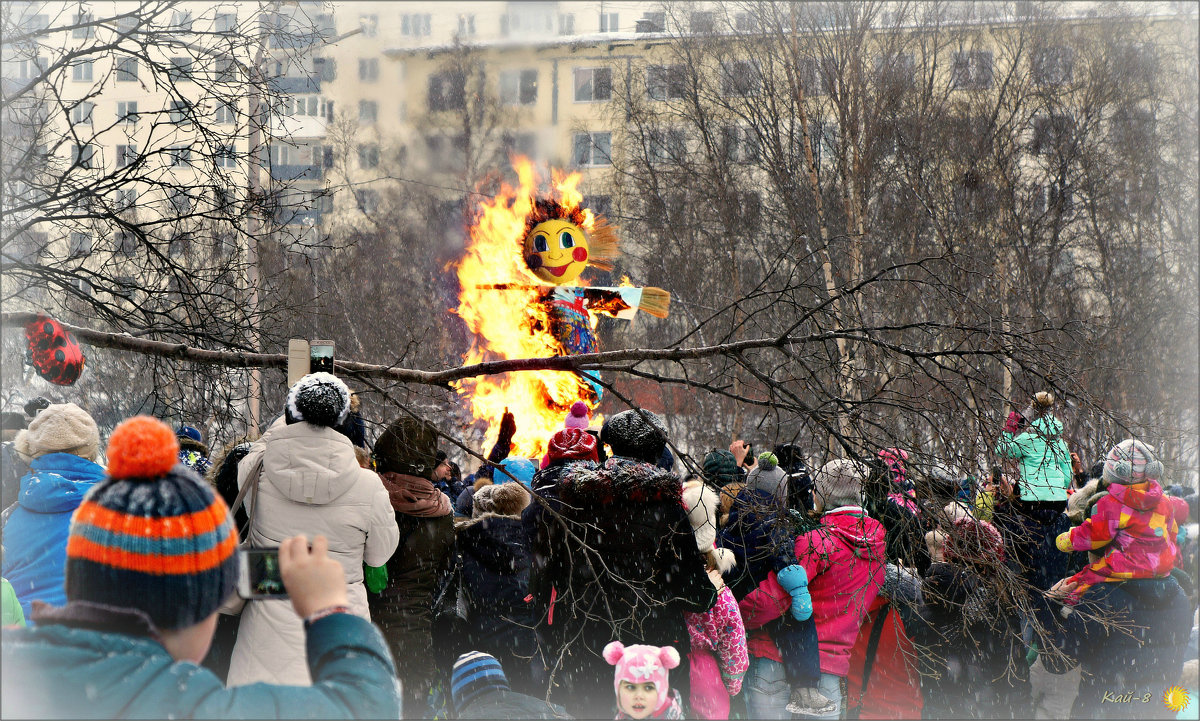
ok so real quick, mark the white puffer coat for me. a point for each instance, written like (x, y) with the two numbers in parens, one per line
(309, 483)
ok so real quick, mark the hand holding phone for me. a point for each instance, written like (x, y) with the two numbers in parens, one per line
(313, 579)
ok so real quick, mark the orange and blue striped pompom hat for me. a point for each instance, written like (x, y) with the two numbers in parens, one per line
(152, 536)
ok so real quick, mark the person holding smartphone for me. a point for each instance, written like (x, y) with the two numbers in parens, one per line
(137, 622)
(307, 478)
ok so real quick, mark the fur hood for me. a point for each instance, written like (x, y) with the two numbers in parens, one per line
(587, 484)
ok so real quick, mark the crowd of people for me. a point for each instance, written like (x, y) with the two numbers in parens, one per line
(594, 582)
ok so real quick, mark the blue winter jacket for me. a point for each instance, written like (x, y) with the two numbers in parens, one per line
(61, 671)
(1129, 640)
(35, 535)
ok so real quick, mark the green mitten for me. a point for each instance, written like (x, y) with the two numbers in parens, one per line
(375, 578)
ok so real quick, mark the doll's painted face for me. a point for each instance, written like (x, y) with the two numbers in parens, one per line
(637, 700)
(556, 251)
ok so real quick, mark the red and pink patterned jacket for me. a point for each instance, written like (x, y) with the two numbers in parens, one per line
(720, 631)
(1140, 522)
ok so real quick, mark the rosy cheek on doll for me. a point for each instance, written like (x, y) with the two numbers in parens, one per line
(580, 255)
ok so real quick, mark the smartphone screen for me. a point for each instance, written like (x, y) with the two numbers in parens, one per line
(260, 574)
(321, 357)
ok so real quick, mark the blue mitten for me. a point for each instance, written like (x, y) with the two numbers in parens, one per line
(794, 580)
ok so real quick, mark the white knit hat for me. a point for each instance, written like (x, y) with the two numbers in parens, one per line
(840, 482)
(60, 428)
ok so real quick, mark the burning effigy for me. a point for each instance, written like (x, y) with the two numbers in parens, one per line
(523, 295)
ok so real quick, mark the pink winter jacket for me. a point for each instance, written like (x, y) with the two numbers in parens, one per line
(844, 558)
(719, 630)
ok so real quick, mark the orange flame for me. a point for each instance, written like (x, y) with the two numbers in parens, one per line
(511, 323)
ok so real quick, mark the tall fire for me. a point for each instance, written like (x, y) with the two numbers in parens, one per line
(500, 302)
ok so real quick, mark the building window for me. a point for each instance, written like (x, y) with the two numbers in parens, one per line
(368, 155)
(652, 22)
(180, 69)
(740, 144)
(1052, 132)
(815, 75)
(180, 112)
(83, 155)
(127, 70)
(566, 24)
(746, 23)
(180, 156)
(181, 21)
(82, 33)
(82, 71)
(739, 78)
(226, 157)
(126, 242)
(972, 70)
(593, 84)
(127, 25)
(326, 158)
(126, 197)
(325, 69)
(367, 200)
(181, 202)
(518, 87)
(127, 111)
(702, 22)
(609, 22)
(307, 105)
(593, 149)
(666, 82)
(447, 91)
(226, 113)
(225, 70)
(126, 155)
(327, 110)
(520, 144)
(225, 22)
(416, 25)
(369, 25)
(30, 69)
(667, 146)
(180, 242)
(81, 114)
(466, 26)
(1053, 66)
(368, 111)
(368, 69)
(80, 245)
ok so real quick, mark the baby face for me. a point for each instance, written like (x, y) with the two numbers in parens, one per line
(637, 700)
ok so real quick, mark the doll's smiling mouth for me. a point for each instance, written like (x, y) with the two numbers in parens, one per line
(557, 270)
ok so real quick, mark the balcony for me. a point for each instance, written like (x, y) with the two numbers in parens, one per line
(297, 86)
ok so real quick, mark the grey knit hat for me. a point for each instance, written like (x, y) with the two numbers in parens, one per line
(840, 482)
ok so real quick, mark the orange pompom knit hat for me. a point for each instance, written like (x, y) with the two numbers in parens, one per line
(152, 536)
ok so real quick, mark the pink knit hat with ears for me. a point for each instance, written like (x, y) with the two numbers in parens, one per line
(639, 664)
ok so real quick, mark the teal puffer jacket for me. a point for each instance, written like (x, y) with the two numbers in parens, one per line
(1045, 460)
(58, 671)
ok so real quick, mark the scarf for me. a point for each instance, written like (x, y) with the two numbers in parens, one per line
(414, 496)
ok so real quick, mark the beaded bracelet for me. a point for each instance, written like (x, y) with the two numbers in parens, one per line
(328, 611)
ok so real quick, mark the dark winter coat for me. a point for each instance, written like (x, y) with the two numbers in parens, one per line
(762, 536)
(973, 660)
(1030, 530)
(404, 609)
(1128, 637)
(503, 704)
(73, 669)
(628, 572)
(496, 559)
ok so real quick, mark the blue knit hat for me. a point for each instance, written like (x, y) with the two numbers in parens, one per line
(474, 674)
(152, 536)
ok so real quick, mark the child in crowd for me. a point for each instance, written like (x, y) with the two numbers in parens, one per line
(718, 630)
(1136, 517)
(640, 681)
